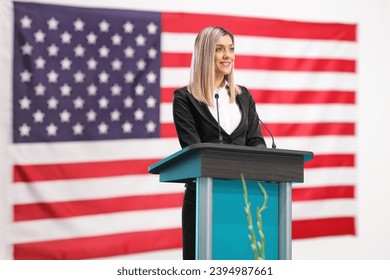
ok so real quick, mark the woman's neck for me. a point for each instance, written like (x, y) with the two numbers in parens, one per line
(219, 83)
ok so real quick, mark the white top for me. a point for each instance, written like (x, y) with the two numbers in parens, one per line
(229, 113)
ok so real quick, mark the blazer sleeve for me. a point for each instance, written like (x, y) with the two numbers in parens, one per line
(184, 120)
(254, 135)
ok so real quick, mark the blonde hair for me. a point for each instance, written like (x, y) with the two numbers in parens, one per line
(202, 76)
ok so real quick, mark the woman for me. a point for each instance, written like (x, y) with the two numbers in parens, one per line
(196, 115)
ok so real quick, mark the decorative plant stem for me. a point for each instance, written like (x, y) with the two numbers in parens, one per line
(256, 246)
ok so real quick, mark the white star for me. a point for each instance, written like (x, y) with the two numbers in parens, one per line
(66, 37)
(40, 89)
(78, 129)
(92, 63)
(116, 90)
(128, 102)
(152, 28)
(104, 26)
(139, 90)
(78, 25)
(91, 38)
(103, 77)
(78, 103)
(92, 89)
(79, 77)
(104, 51)
(115, 115)
(26, 49)
(151, 78)
(38, 116)
(91, 115)
(24, 130)
(52, 23)
(152, 53)
(52, 76)
(116, 39)
(129, 77)
(25, 22)
(141, 64)
(151, 102)
(24, 103)
(103, 103)
(139, 115)
(128, 27)
(79, 51)
(66, 63)
(25, 76)
(51, 130)
(129, 52)
(52, 50)
(52, 103)
(40, 63)
(65, 90)
(127, 127)
(140, 40)
(103, 128)
(116, 65)
(39, 36)
(65, 116)
(150, 127)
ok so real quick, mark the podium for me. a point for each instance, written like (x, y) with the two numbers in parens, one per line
(221, 222)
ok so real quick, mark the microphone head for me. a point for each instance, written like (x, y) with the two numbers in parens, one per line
(216, 96)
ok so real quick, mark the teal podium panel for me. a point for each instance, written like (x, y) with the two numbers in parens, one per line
(230, 226)
(221, 222)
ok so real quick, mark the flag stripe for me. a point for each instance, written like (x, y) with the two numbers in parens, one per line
(34, 211)
(278, 129)
(323, 227)
(331, 160)
(269, 63)
(45, 172)
(264, 96)
(328, 192)
(100, 246)
(258, 27)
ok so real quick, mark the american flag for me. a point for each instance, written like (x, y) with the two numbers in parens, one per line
(92, 109)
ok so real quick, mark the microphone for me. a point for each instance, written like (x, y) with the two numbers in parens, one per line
(272, 137)
(219, 126)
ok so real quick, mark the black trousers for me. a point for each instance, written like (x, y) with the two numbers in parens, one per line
(188, 222)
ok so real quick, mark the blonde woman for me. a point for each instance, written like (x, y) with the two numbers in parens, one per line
(196, 114)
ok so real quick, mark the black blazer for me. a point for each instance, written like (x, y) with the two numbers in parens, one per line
(195, 124)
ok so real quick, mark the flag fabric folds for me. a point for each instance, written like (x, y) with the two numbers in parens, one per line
(92, 109)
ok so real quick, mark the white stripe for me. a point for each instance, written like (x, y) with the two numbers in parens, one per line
(93, 151)
(172, 254)
(101, 188)
(44, 230)
(275, 80)
(289, 113)
(262, 46)
(323, 209)
(329, 176)
(317, 144)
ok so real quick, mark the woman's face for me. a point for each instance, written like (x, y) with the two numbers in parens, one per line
(223, 56)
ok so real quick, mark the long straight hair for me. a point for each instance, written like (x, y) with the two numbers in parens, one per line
(202, 75)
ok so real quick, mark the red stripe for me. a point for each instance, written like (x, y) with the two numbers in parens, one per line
(285, 129)
(323, 227)
(287, 96)
(331, 160)
(302, 96)
(34, 211)
(193, 23)
(100, 246)
(299, 194)
(269, 63)
(59, 171)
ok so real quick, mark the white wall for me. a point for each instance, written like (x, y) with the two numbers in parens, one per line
(373, 160)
